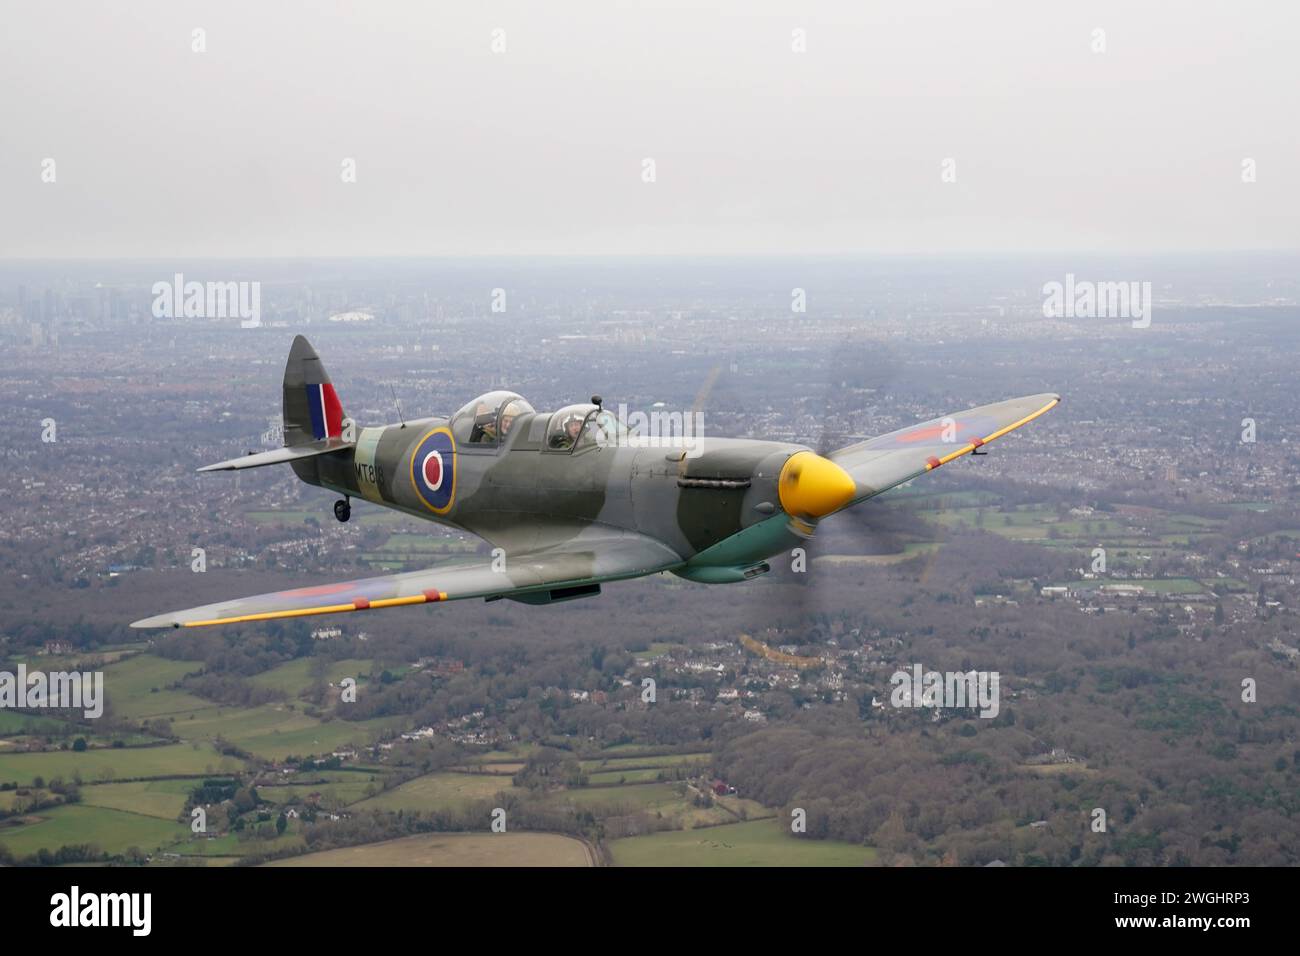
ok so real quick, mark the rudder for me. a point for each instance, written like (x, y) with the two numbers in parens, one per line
(312, 410)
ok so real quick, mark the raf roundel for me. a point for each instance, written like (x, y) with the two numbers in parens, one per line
(433, 470)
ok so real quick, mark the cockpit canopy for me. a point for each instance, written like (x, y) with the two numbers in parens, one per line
(486, 421)
(578, 426)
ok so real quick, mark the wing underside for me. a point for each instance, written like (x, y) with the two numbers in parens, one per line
(585, 560)
(886, 461)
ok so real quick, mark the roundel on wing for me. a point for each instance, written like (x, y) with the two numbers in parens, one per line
(433, 470)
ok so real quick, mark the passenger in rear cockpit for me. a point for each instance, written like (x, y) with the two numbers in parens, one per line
(567, 437)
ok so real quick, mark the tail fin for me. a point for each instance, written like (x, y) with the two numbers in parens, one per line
(312, 410)
(313, 416)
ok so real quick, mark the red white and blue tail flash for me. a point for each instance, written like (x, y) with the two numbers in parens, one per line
(326, 411)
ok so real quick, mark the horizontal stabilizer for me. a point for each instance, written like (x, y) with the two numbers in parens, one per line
(281, 455)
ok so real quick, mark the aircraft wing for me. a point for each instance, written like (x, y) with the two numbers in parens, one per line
(885, 461)
(542, 575)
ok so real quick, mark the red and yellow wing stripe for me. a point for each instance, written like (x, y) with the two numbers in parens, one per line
(359, 604)
(932, 462)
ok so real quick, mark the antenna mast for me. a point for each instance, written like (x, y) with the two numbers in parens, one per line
(400, 417)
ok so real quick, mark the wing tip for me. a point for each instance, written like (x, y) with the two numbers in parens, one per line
(157, 621)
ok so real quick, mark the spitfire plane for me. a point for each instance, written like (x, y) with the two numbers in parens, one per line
(570, 500)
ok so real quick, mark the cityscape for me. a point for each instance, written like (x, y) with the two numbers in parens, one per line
(1127, 567)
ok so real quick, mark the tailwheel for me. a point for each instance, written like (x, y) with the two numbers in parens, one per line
(343, 509)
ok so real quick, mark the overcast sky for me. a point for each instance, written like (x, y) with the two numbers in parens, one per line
(160, 151)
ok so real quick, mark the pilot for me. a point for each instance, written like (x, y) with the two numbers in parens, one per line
(567, 437)
(507, 419)
(484, 431)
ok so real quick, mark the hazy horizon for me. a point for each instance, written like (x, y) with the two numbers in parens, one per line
(538, 148)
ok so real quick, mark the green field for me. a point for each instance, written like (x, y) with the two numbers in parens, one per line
(318, 738)
(426, 544)
(1149, 585)
(1044, 526)
(275, 731)
(137, 687)
(338, 789)
(648, 775)
(656, 649)
(153, 798)
(438, 791)
(239, 724)
(633, 762)
(14, 724)
(456, 849)
(234, 844)
(604, 801)
(670, 803)
(296, 677)
(1172, 586)
(500, 769)
(143, 674)
(111, 830)
(402, 548)
(756, 843)
(643, 769)
(10, 798)
(116, 764)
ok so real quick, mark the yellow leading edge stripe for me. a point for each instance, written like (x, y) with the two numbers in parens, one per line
(324, 609)
(996, 435)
